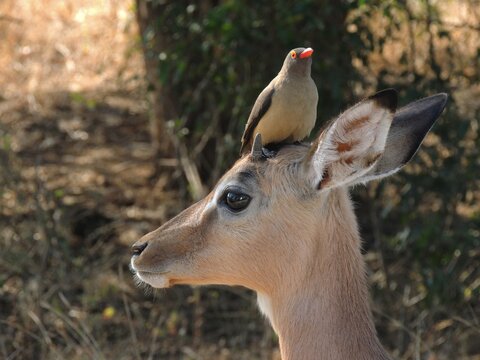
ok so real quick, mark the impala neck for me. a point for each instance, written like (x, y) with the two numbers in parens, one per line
(325, 314)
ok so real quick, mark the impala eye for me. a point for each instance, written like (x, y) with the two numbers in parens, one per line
(236, 201)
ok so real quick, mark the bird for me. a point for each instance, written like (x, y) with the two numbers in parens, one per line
(286, 110)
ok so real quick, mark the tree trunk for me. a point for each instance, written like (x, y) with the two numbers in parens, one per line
(162, 108)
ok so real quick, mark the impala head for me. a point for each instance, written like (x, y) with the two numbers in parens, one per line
(266, 216)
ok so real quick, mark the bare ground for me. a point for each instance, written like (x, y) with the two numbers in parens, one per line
(79, 184)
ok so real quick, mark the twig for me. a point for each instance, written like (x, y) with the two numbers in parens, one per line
(197, 317)
(456, 25)
(418, 345)
(23, 330)
(133, 334)
(10, 19)
(207, 135)
(83, 332)
(398, 324)
(466, 323)
(87, 333)
(197, 188)
(161, 319)
(377, 232)
(43, 330)
(411, 36)
(3, 347)
(431, 42)
(198, 91)
(42, 217)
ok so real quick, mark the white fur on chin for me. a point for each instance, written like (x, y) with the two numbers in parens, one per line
(158, 281)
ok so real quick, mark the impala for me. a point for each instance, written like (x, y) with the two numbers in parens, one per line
(283, 225)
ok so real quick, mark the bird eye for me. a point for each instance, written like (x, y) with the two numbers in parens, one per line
(236, 201)
(293, 54)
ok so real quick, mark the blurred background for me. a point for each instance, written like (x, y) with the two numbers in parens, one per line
(117, 114)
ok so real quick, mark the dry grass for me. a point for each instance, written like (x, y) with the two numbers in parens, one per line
(66, 45)
(78, 186)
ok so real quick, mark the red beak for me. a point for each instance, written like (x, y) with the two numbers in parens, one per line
(306, 53)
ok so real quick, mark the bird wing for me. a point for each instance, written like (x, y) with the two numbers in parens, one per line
(260, 108)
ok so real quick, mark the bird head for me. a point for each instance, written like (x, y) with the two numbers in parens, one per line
(298, 61)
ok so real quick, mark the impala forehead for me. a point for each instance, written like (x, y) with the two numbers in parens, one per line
(279, 172)
(244, 180)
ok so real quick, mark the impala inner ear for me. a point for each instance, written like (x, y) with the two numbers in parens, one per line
(353, 143)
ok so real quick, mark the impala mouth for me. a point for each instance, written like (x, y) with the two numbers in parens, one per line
(156, 279)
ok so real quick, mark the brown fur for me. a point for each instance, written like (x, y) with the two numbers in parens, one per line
(314, 279)
(297, 246)
(349, 160)
(342, 147)
(357, 123)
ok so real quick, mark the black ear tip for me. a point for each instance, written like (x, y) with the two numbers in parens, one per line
(436, 103)
(442, 99)
(387, 98)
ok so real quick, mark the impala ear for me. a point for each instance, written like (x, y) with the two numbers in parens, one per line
(351, 146)
(409, 127)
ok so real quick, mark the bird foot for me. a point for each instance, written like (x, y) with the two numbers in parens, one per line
(267, 153)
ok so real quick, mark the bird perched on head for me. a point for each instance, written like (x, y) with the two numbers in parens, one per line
(286, 110)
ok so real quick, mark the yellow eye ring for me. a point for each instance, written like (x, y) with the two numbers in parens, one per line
(293, 54)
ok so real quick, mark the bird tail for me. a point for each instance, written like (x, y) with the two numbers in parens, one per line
(244, 148)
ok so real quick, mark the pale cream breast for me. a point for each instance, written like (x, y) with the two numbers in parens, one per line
(292, 114)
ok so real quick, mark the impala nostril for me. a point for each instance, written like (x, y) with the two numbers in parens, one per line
(137, 249)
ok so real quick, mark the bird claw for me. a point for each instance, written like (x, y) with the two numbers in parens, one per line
(267, 153)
